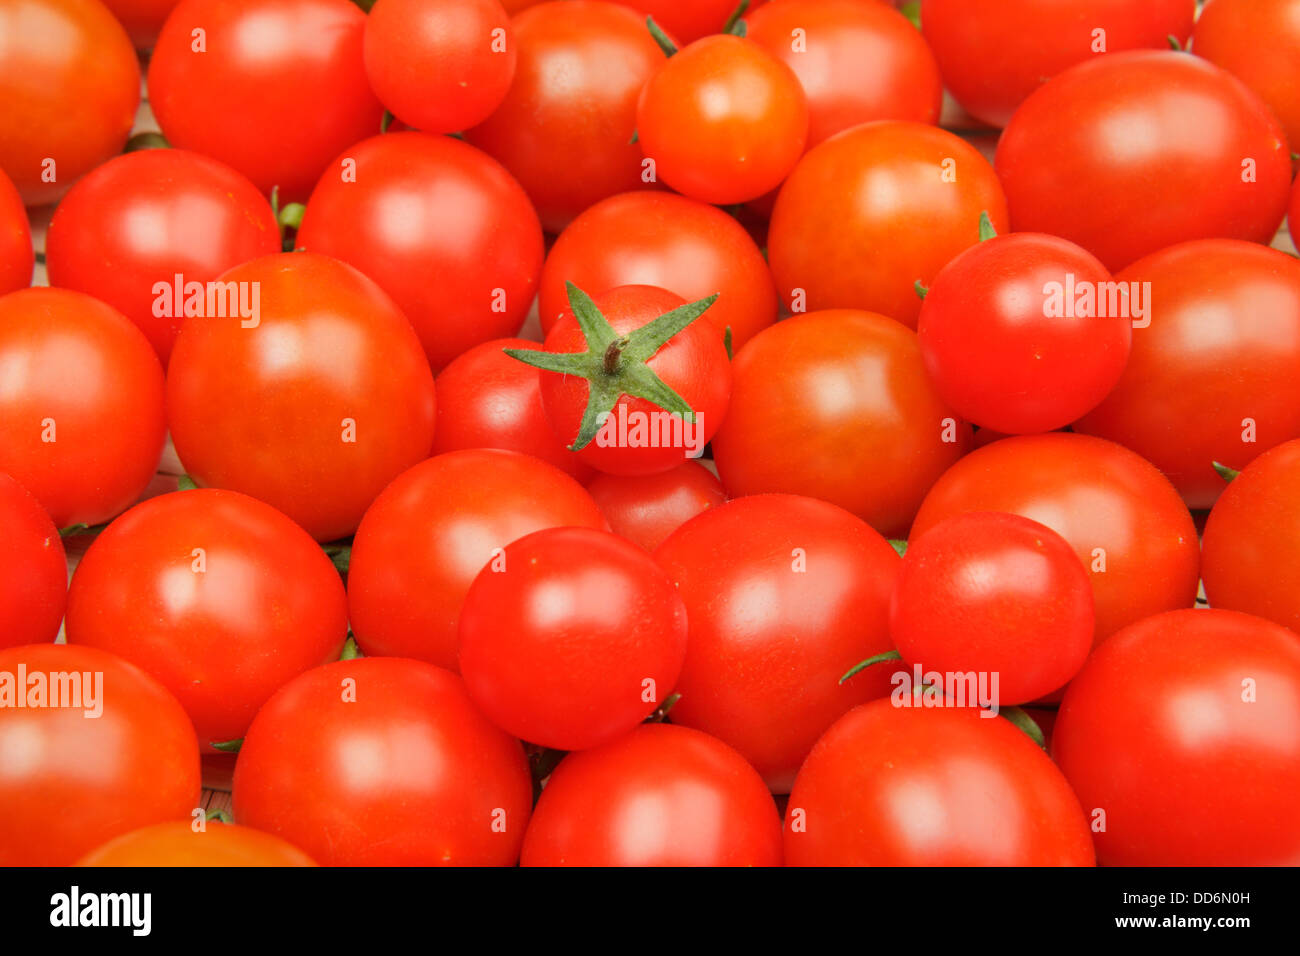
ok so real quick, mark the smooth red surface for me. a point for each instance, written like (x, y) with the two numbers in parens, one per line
(646, 509)
(17, 257)
(33, 569)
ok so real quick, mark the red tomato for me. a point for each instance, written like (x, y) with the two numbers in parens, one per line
(144, 218)
(565, 128)
(85, 450)
(722, 120)
(686, 20)
(837, 405)
(571, 637)
(16, 254)
(441, 227)
(69, 88)
(315, 407)
(1293, 215)
(178, 844)
(1021, 334)
(919, 786)
(1215, 376)
(33, 569)
(433, 529)
(996, 594)
(658, 796)
(219, 597)
(1113, 155)
(844, 229)
(1122, 517)
(143, 19)
(783, 595)
(1251, 550)
(277, 89)
(646, 509)
(382, 762)
(71, 781)
(1181, 736)
(668, 241)
(994, 53)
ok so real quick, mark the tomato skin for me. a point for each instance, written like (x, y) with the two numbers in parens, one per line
(144, 218)
(686, 22)
(844, 226)
(71, 783)
(1293, 215)
(466, 272)
(277, 119)
(1250, 558)
(564, 129)
(768, 643)
(723, 120)
(264, 605)
(142, 19)
(177, 844)
(33, 569)
(836, 405)
(1158, 731)
(247, 415)
(646, 509)
(17, 257)
(916, 786)
(108, 431)
(1070, 169)
(406, 773)
(660, 795)
(1096, 495)
(669, 241)
(430, 532)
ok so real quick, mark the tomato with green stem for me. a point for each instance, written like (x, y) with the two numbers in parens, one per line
(646, 509)
(179, 844)
(33, 569)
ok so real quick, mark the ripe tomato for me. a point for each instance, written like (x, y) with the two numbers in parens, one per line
(69, 88)
(921, 786)
(178, 844)
(219, 597)
(313, 409)
(1112, 154)
(996, 594)
(33, 569)
(1120, 515)
(658, 796)
(16, 254)
(1011, 345)
(142, 19)
(571, 637)
(783, 595)
(144, 218)
(686, 21)
(1181, 736)
(1251, 550)
(1293, 215)
(722, 120)
(994, 53)
(837, 405)
(669, 241)
(81, 410)
(646, 509)
(441, 227)
(565, 128)
(844, 229)
(1214, 377)
(382, 762)
(433, 529)
(70, 781)
(275, 89)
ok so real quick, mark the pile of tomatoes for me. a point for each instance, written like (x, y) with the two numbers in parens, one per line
(640, 433)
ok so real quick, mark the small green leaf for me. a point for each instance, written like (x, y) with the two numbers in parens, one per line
(230, 746)
(185, 483)
(899, 545)
(920, 290)
(386, 121)
(350, 650)
(726, 340)
(665, 44)
(987, 231)
(146, 141)
(1225, 472)
(221, 816)
(1026, 723)
(734, 21)
(1174, 43)
(863, 665)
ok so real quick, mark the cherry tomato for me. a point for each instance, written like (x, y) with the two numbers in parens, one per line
(143, 19)
(33, 569)
(646, 509)
(382, 762)
(16, 254)
(81, 410)
(277, 89)
(844, 229)
(441, 227)
(658, 796)
(931, 786)
(314, 404)
(1293, 215)
(1022, 334)
(1182, 736)
(1112, 154)
(686, 21)
(71, 781)
(565, 127)
(433, 529)
(178, 844)
(837, 405)
(144, 218)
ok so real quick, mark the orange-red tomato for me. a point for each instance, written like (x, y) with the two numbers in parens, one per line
(16, 254)
(179, 844)
(33, 569)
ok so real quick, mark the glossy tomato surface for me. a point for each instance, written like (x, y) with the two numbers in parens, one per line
(179, 844)
(16, 254)
(33, 569)
(646, 509)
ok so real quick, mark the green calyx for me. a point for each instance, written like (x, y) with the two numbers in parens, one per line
(987, 231)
